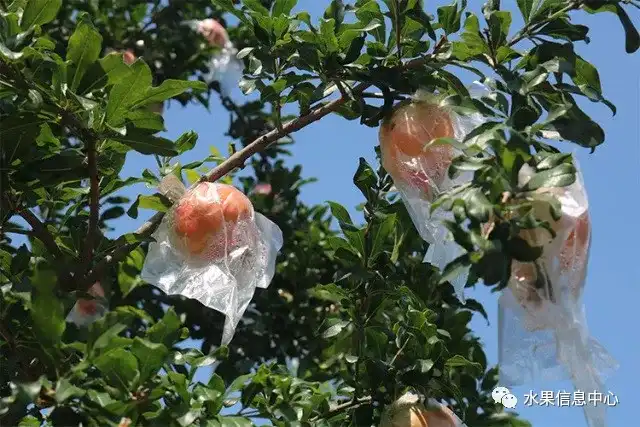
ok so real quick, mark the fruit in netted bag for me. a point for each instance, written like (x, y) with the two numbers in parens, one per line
(206, 218)
(403, 137)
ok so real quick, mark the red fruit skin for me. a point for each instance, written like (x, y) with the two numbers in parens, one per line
(206, 219)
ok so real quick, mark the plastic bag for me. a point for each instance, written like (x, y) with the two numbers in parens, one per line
(212, 247)
(543, 334)
(224, 66)
(420, 173)
(86, 311)
(409, 411)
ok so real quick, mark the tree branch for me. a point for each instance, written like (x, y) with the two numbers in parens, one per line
(352, 404)
(41, 232)
(236, 160)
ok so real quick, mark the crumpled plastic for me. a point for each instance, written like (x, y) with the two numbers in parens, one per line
(543, 334)
(224, 66)
(408, 411)
(213, 247)
(420, 174)
(86, 311)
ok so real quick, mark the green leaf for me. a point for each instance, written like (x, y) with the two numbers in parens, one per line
(235, 422)
(449, 18)
(39, 12)
(256, 6)
(129, 270)
(380, 233)
(66, 390)
(167, 90)
(127, 92)
(522, 251)
(29, 421)
(499, 24)
(477, 205)
(526, 8)
(84, 49)
(186, 141)
(459, 361)
(328, 34)
(340, 213)
(336, 327)
(154, 202)
(167, 330)
(632, 38)
(365, 179)
(48, 315)
(144, 143)
(151, 356)
(283, 7)
(560, 176)
(119, 367)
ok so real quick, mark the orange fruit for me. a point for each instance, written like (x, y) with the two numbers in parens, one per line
(416, 417)
(403, 137)
(204, 220)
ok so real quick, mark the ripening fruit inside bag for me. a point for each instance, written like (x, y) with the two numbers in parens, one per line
(418, 416)
(403, 137)
(205, 220)
(572, 257)
(89, 307)
(213, 31)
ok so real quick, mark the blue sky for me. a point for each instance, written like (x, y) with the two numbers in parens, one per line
(611, 178)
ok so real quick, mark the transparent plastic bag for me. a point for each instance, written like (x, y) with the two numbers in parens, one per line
(420, 173)
(224, 66)
(212, 247)
(543, 334)
(409, 411)
(86, 311)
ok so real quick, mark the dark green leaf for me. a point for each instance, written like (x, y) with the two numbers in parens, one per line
(144, 143)
(151, 356)
(283, 7)
(449, 18)
(84, 49)
(39, 12)
(126, 92)
(120, 368)
(459, 361)
(186, 141)
(560, 176)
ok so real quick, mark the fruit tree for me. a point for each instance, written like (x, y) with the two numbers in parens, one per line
(353, 318)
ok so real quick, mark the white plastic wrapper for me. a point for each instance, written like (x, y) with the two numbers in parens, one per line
(87, 311)
(409, 411)
(420, 173)
(224, 66)
(543, 334)
(212, 247)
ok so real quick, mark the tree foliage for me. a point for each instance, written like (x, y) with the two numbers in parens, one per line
(353, 317)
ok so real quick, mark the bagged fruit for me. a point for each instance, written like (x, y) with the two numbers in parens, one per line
(224, 66)
(543, 332)
(86, 311)
(213, 247)
(420, 169)
(408, 411)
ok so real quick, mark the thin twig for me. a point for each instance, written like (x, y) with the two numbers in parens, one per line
(352, 404)
(94, 204)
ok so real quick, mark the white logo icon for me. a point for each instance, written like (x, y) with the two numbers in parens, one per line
(509, 401)
(503, 395)
(498, 393)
